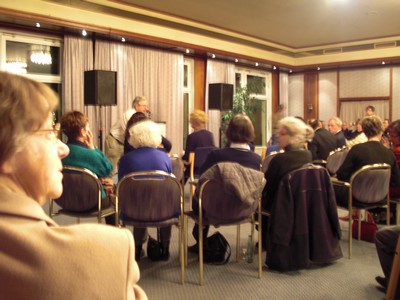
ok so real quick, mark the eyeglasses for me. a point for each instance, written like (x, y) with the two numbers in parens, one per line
(50, 134)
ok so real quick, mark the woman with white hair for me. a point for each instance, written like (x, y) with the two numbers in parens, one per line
(292, 136)
(145, 137)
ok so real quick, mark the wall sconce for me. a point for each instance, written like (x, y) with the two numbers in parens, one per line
(310, 107)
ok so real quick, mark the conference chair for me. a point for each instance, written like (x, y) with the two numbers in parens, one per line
(335, 159)
(228, 194)
(178, 168)
(266, 161)
(81, 197)
(368, 188)
(151, 199)
(303, 225)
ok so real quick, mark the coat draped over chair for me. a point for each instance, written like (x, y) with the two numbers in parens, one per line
(304, 225)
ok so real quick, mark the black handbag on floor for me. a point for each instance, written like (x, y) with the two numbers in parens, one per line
(154, 247)
(216, 249)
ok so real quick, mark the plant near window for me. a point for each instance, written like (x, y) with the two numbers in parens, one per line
(244, 102)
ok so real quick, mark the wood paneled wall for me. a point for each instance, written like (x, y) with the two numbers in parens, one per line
(310, 95)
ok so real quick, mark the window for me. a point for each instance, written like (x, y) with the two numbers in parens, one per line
(249, 78)
(33, 56)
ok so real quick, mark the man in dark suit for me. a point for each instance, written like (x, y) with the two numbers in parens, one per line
(335, 127)
(323, 142)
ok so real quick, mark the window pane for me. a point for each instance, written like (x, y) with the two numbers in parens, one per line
(185, 76)
(32, 58)
(256, 84)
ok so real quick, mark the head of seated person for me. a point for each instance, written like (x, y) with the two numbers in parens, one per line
(240, 130)
(134, 119)
(394, 134)
(145, 134)
(293, 133)
(75, 125)
(198, 120)
(372, 127)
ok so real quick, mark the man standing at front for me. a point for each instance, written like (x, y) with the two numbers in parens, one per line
(114, 143)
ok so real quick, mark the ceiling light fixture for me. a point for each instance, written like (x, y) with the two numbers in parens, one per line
(123, 39)
(84, 33)
(318, 68)
(274, 67)
(236, 60)
(256, 64)
(37, 24)
(187, 51)
(383, 63)
(213, 55)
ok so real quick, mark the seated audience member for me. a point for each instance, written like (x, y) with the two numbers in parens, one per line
(200, 137)
(358, 136)
(39, 258)
(346, 131)
(385, 136)
(83, 154)
(292, 136)
(394, 135)
(386, 241)
(145, 137)
(335, 127)
(370, 152)
(135, 118)
(240, 133)
(323, 141)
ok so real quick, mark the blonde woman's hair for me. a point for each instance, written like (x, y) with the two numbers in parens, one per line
(198, 119)
(145, 134)
(25, 105)
(299, 132)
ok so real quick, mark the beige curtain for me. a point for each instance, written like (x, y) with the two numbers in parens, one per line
(155, 74)
(350, 111)
(217, 72)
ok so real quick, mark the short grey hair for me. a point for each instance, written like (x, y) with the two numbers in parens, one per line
(145, 134)
(299, 132)
(337, 121)
(137, 100)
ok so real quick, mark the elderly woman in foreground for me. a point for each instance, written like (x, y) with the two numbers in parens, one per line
(39, 258)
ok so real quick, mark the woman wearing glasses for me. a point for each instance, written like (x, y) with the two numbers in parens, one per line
(39, 259)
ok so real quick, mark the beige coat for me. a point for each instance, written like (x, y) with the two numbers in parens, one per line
(41, 260)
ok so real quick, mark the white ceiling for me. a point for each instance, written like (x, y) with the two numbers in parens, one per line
(296, 24)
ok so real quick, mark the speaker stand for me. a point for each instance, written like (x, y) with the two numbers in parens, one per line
(100, 131)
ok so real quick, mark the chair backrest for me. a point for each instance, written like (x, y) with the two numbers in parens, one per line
(199, 157)
(230, 193)
(178, 168)
(336, 159)
(152, 196)
(266, 161)
(370, 184)
(81, 190)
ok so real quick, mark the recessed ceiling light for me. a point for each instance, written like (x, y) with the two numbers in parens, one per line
(256, 64)
(187, 51)
(318, 68)
(123, 39)
(84, 33)
(383, 63)
(290, 71)
(37, 24)
(213, 55)
(236, 60)
(274, 67)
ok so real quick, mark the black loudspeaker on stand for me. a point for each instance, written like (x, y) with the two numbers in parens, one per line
(220, 96)
(100, 90)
